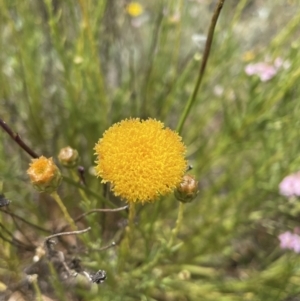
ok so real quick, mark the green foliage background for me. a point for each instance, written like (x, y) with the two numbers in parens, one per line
(70, 69)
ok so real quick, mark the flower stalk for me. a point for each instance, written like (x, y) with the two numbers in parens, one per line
(127, 241)
(33, 279)
(175, 231)
(63, 208)
(131, 219)
(202, 69)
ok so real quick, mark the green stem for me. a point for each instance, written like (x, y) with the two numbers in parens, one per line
(150, 64)
(90, 192)
(87, 29)
(238, 11)
(206, 53)
(81, 191)
(131, 218)
(164, 249)
(36, 288)
(151, 264)
(175, 231)
(126, 243)
(64, 210)
(130, 228)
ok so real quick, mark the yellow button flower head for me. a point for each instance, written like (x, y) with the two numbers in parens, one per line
(141, 159)
(44, 174)
(134, 9)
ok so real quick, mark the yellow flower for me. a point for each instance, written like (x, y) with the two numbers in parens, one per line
(141, 159)
(134, 9)
(248, 56)
(44, 174)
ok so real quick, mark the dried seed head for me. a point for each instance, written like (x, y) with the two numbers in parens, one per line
(187, 190)
(68, 157)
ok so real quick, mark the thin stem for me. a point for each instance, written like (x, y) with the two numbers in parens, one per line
(206, 53)
(150, 64)
(33, 280)
(239, 9)
(25, 221)
(88, 191)
(81, 171)
(131, 218)
(67, 233)
(99, 210)
(175, 231)
(126, 243)
(64, 210)
(14, 241)
(87, 29)
(130, 228)
(17, 139)
(78, 218)
(149, 265)
(165, 248)
(81, 192)
(111, 245)
(21, 230)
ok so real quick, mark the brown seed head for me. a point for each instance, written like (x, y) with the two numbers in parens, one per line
(187, 190)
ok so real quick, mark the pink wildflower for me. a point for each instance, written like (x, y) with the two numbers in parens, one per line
(279, 62)
(290, 185)
(266, 70)
(263, 70)
(290, 241)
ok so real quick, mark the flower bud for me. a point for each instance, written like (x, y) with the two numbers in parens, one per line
(187, 190)
(44, 174)
(68, 157)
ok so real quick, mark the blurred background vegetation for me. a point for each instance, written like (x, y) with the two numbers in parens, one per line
(69, 69)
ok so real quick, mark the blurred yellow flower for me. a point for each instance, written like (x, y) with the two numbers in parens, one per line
(44, 174)
(248, 56)
(141, 159)
(134, 9)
